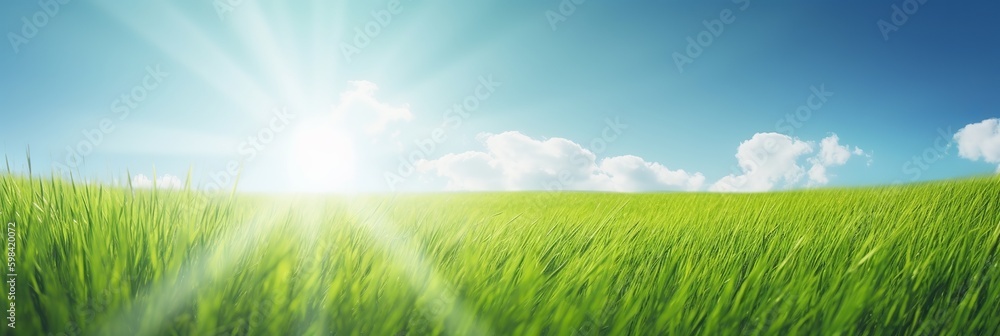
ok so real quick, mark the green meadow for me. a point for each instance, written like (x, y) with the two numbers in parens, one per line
(917, 259)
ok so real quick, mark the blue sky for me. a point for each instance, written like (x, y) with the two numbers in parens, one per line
(551, 78)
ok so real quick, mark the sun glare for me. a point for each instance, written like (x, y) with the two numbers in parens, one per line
(322, 159)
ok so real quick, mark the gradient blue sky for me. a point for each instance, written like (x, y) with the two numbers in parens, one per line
(607, 60)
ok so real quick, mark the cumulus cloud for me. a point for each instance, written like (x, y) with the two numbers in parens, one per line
(360, 107)
(467, 171)
(980, 141)
(831, 154)
(632, 173)
(514, 161)
(768, 160)
(166, 182)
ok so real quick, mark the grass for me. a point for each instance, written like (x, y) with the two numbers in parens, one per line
(918, 259)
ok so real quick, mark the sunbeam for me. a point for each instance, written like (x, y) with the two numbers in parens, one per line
(197, 53)
(321, 158)
(420, 272)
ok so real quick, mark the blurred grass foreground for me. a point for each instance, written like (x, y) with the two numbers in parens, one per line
(916, 259)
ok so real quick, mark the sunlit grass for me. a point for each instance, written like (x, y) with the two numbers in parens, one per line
(918, 259)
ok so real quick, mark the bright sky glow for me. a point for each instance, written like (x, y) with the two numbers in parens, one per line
(412, 96)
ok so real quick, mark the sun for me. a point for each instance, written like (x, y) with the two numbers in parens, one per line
(322, 158)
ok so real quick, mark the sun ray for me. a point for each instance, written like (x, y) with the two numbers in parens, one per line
(325, 56)
(256, 32)
(373, 217)
(311, 149)
(198, 54)
(212, 263)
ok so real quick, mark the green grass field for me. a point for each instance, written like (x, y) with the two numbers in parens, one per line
(919, 259)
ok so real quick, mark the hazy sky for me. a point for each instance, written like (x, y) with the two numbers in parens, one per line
(503, 95)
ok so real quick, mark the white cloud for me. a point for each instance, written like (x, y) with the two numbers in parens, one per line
(360, 107)
(817, 175)
(771, 159)
(831, 154)
(166, 182)
(980, 141)
(514, 161)
(765, 160)
(467, 171)
(632, 173)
